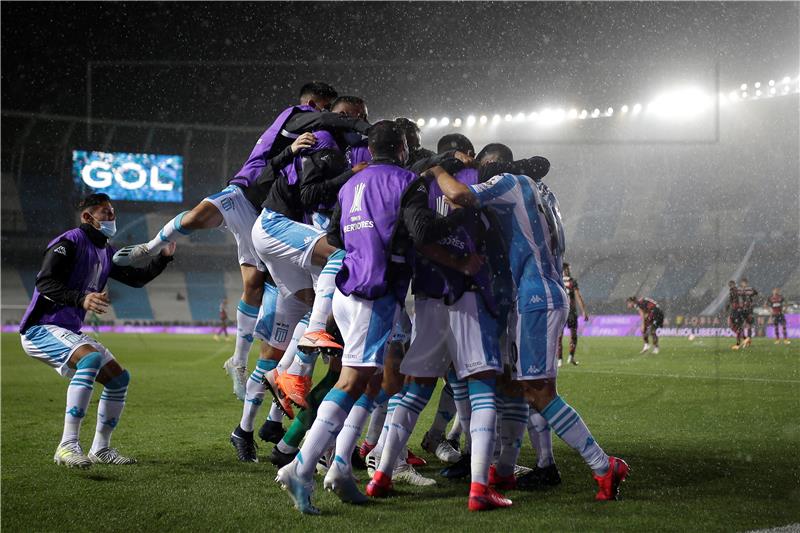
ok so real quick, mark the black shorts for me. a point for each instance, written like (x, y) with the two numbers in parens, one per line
(736, 318)
(572, 319)
(747, 316)
(655, 319)
(778, 320)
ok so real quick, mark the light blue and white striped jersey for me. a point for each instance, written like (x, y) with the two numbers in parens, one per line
(535, 257)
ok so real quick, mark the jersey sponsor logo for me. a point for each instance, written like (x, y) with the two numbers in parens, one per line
(359, 195)
(227, 204)
(363, 224)
(536, 299)
(442, 206)
(60, 250)
(453, 241)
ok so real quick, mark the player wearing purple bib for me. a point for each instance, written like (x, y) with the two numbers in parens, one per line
(380, 213)
(72, 280)
(531, 225)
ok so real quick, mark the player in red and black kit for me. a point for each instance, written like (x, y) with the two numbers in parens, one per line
(575, 300)
(223, 320)
(652, 319)
(734, 309)
(777, 304)
(746, 296)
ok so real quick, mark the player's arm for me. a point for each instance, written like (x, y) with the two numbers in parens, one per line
(581, 304)
(316, 185)
(310, 121)
(140, 276)
(56, 270)
(334, 235)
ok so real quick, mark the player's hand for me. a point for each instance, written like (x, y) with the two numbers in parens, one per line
(306, 140)
(169, 249)
(467, 159)
(96, 302)
(472, 265)
(360, 166)
(451, 204)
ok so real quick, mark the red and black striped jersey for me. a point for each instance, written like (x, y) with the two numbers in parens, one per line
(571, 285)
(733, 298)
(776, 304)
(746, 296)
(646, 304)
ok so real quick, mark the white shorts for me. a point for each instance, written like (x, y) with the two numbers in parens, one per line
(54, 346)
(402, 328)
(365, 326)
(239, 216)
(533, 352)
(266, 313)
(288, 312)
(285, 246)
(464, 333)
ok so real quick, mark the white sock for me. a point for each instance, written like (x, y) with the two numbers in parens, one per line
(291, 350)
(482, 426)
(351, 431)
(79, 392)
(323, 291)
(109, 410)
(541, 439)
(376, 422)
(404, 419)
(512, 428)
(255, 392)
(246, 318)
(463, 408)
(445, 412)
(275, 414)
(569, 426)
(331, 415)
(390, 408)
(171, 232)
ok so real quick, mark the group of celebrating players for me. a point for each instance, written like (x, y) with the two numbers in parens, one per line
(741, 301)
(335, 220)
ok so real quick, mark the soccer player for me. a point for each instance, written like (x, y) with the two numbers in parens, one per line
(379, 214)
(541, 309)
(575, 300)
(72, 280)
(777, 306)
(237, 206)
(414, 140)
(733, 307)
(746, 296)
(652, 318)
(223, 320)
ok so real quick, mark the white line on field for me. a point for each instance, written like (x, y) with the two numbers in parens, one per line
(679, 376)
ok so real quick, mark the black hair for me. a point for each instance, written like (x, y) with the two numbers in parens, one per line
(743, 279)
(93, 200)
(565, 264)
(408, 125)
(385, 137)
(502, 153)
(455, 141)
(318, 89)
(732, 281)
(632, 298)
(354, 100)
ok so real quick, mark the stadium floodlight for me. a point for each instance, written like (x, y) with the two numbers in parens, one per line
(457, 123)
(432, 122)
(444, 122)
(786, 80)
(595, 113)
(743, 87)
(509, 117)
(520, 117)
(550, 117)
(484, 119)
(533, 116)
(733, 96)
(420, 122)
(679, 104)
(772, 83)
(583, 114)
(610, 111)
(758, 85)
(470, 120)
(496, 119)
(772, 90)
(758, 93)
(785, 89)
(573, 114)
(623, 109)
(744, 94)
(637, 108)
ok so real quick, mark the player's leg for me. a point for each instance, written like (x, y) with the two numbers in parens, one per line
(536, 334)
(434, 440)
(512, 420)
(365, 326)
(560, 349)
(205, 215)
(394, 387)
(115, 381)
(573, 344)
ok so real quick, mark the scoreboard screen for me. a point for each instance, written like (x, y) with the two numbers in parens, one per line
(128, 176)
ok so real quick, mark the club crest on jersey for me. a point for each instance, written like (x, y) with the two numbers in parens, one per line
(60, 250)
(281, 332)
(358, 196)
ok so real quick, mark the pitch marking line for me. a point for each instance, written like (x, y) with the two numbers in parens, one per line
(678, 376)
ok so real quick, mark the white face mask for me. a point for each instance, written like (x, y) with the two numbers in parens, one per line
(108, 227)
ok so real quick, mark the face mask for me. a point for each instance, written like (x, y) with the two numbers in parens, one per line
(108, 227)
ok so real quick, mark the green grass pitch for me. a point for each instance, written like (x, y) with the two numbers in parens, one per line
(712, 437)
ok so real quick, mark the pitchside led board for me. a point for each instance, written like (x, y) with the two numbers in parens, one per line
(132, 177)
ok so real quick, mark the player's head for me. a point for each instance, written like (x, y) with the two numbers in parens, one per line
(410, 128)
(566, 269)
(351, 106)
(387, 141)
(743, 282)
(731, 284)
(776, 291)
(631, 302)
(455, 141)
(96, 210)
(495, 153)
(318, 95)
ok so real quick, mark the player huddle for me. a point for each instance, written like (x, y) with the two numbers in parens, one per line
(336, 220)
(741, 301)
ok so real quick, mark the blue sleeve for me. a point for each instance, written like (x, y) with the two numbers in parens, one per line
(496, 190)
